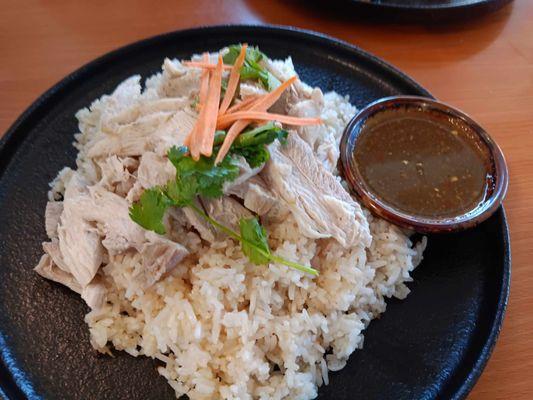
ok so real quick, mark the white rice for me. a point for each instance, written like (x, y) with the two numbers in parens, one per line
(224, 328)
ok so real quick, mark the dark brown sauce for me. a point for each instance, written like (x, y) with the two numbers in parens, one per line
(432, 166)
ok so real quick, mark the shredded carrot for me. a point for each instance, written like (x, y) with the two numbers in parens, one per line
(211, 110)
(233, 80)
(205, 64)
(232, 134)
(243, 105)
(262, 104)
(194, 139)
(226, 120)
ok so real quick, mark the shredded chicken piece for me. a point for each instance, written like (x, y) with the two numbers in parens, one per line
(315, 197)
(160, 255)
(94, 294)
(255, 195)
(47, 269)
(79, 241)
(206, 230)
(51, 217)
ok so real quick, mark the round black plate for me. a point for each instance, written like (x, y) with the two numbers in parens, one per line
(422, 10)
(432, 345)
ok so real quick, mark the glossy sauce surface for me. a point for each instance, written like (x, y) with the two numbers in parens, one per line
(419, 163)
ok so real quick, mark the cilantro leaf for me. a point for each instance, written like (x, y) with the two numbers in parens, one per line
(251, 68)
(255, 156)
(219, 139)
(255, 246)
(270, 82)
(249, 72)
(252, 143)
(183, 193)
(177, 154)
(211, 177)
(253, 54)
(201, 177)
(264, 134)
(231, 56)
(254, 236)
(149, 211)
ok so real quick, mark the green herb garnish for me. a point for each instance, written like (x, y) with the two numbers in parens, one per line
(251, 144)
(199, 178)
(254, 242)
(254, 233)
(251, 68)
(150, 210)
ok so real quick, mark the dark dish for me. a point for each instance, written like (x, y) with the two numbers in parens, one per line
(423, 164)
(433, 345)
(438, 11)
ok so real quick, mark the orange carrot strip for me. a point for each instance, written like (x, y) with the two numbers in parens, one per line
(226, 120)
(262, 104)
(242, 105)
(233, 132)
(233, 80)
(205, 65)
(196, 133)
(211, 109)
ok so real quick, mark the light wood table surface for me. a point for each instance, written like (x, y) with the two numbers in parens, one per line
(484, 67)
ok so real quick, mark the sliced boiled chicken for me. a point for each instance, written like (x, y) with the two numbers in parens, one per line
(79, 241)
(51, 217)
(319, 203)
(47, 269)
(160, 255)
(255, 195)
(94, 294)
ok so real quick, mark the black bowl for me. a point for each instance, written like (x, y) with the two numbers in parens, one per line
(419, 11)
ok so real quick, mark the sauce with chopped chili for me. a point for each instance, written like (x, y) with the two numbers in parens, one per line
(433, 167)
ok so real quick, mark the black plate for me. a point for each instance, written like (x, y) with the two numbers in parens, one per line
(432, 345)
(422, 10)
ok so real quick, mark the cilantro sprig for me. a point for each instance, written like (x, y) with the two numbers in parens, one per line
(254, 242)
(204, 178)
(251, 144)
(251, 68)
(199, 178)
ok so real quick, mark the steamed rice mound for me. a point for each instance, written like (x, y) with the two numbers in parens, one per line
(229, 329)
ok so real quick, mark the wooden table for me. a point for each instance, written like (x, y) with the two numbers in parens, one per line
(483, 67)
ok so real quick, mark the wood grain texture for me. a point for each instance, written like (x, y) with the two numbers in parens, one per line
(484, 67)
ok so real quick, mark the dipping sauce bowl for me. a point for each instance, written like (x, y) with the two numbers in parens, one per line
(423, 165)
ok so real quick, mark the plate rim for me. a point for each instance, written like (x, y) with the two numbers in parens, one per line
(16, 135)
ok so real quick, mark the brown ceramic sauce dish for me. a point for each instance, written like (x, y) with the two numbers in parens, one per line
(423, 165)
